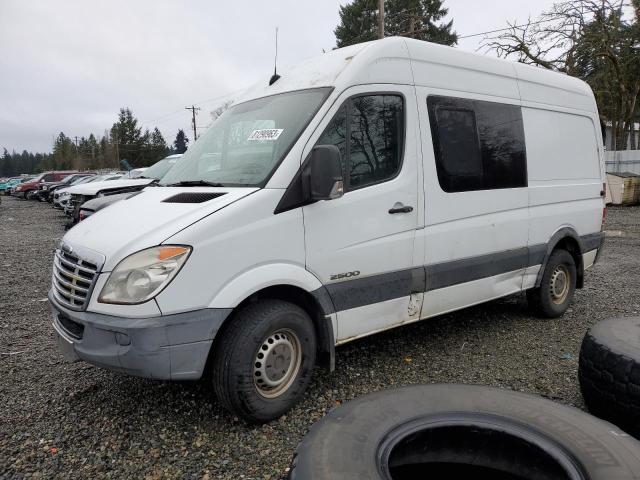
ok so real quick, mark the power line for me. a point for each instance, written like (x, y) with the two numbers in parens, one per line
(508, 28)
(199, 102)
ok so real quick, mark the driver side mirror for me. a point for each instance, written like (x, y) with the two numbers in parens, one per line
(322, 174)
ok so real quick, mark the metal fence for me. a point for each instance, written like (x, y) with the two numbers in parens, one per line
(622, 161)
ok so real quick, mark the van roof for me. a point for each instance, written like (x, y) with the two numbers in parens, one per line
(398, 60)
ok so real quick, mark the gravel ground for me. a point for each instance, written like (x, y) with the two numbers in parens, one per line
(75, 421)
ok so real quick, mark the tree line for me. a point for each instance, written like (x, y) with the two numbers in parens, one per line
(124, 141)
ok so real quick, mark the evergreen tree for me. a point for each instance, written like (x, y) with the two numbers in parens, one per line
(158, 145)
(127, 137)
(91, 152)
(7, 167)
(408, 18)
(180, 143)
(64, 152)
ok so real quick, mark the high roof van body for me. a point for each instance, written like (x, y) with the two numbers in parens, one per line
(373, 186)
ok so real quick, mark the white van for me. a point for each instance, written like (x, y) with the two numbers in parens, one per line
(80, 194)
(373, 186)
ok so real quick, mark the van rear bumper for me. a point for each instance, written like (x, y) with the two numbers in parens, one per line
(167, 347)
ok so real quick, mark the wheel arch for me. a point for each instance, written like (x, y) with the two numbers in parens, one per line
(567, 239)
(289, 283)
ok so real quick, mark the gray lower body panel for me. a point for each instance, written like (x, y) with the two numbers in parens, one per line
(359, 292)
(168, 347)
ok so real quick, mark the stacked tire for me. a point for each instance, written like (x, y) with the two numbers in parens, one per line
(609, 372)
(462, 431)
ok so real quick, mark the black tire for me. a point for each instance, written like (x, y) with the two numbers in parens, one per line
(609, 372)
(463, 431)
(236, 359)
(543, 300)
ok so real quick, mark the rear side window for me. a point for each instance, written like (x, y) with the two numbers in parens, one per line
(478, 145)
(369, 132)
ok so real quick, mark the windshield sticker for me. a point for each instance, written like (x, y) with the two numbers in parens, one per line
(265, 134)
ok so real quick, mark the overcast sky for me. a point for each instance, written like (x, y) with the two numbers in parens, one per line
(70, 65)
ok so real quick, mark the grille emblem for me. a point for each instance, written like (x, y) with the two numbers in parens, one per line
(67, 248)
(74, 281)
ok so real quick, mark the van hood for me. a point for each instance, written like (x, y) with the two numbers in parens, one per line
(93, 188)
(148, 219)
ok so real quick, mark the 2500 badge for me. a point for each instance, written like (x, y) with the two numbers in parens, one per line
(340, 276)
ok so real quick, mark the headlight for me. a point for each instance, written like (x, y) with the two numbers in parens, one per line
(143, 275)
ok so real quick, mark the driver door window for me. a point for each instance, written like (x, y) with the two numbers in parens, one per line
(369, 132)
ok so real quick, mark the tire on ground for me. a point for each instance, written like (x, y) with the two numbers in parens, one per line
(542, 299)
(609, 372)
(241, 360)
(462, 431)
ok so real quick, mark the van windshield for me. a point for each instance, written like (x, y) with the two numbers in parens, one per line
(245, 145)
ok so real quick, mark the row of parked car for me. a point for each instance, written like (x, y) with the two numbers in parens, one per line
(81, 194)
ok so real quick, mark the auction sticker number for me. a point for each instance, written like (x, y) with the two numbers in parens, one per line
(265, 134)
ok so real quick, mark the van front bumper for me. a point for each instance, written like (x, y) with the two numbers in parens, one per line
(167, 347)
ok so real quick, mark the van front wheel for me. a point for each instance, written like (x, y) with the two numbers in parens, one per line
(264, 360)
(557, 287)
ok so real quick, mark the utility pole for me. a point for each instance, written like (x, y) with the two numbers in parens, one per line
(193, 109)
(115, 135)
(381, 19)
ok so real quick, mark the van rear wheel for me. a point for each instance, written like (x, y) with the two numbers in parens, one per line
(264, 360)
(557, 287)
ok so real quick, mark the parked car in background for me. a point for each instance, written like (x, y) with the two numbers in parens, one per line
(6, 185)
(46, 189)
(11, 190)
(28, 189)
(61, 196)
(83, 193)
(136, 172)
(99, 203)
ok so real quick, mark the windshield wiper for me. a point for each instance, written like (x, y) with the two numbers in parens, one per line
(194, 183)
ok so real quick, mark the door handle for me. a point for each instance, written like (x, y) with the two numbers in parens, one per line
(400, 208)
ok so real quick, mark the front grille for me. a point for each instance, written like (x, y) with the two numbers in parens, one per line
(73, 280)
(71, 328)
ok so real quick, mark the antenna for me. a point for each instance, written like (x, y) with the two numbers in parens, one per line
(275, 76)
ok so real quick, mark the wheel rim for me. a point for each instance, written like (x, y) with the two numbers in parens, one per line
(276, 363)
(559, 284)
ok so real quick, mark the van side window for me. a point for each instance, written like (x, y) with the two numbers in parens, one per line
(369, 131)
(478, 145)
